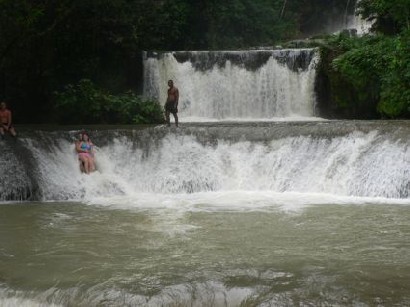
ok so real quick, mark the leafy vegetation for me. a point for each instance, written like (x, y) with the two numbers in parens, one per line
(389, 16)
(84, 103)
(370, 76)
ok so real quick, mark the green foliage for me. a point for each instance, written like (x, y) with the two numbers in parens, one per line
(390, 16)
(84, 103)
(370, 73)
(395, 90)
(341, 97)
(244, 23)
(361, 65)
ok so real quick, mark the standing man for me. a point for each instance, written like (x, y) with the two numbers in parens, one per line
(5, 120)
(171, 106)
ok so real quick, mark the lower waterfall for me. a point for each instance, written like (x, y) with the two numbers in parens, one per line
(337, 158)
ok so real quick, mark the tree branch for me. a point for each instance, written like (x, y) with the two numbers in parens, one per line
(283, 9)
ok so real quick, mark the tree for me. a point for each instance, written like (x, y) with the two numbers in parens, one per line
(389, 17)
(47, 44)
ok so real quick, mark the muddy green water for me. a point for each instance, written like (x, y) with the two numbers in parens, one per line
(82, 255)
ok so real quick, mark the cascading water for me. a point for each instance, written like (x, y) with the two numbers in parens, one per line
(358, 23)
(325, 158)
(240, 85)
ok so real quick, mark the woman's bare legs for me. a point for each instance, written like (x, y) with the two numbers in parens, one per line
(91, 164)
(86, 164)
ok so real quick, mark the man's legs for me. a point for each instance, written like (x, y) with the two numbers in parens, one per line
(167, 117)
(1, 132)
(176, 118)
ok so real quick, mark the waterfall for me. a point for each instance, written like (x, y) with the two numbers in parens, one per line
(237, 85)
(338, 158)
(356, 22)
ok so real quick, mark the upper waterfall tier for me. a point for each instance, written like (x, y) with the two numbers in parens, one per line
(239, 85)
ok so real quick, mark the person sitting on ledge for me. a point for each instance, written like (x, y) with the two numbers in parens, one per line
(84, 148)
(5, 121)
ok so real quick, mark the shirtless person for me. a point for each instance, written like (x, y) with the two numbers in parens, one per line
(5, 121)
(171, 106)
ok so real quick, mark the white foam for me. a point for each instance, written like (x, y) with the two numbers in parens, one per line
(194, 119)
(22, 302)
(195, 294)
(237, 201)
(358, 165)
